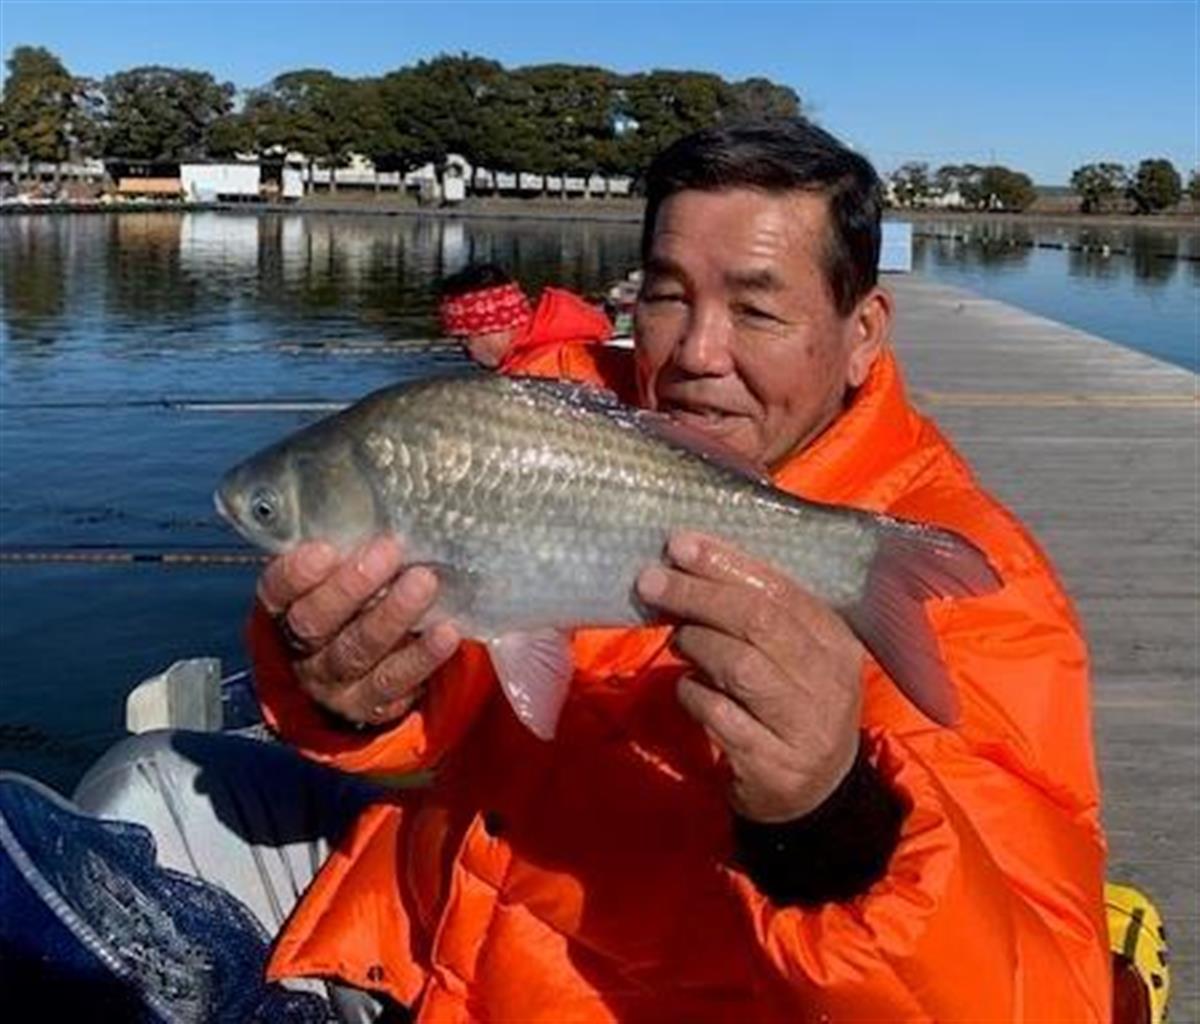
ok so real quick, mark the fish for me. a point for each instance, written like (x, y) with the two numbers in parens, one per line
(537, 503)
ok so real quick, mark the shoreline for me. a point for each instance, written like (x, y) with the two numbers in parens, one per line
(1162, 221)
(599, 209)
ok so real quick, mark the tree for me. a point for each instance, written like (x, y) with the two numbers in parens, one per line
(313, 112)
(760, 99)
(47, 112)
(452, 105)
(957, 184)
(158, 113)
(229, 135)
(663, 106)
(1099, 185)
(1006, 189)
(423, 114)
(994, 187)
(910, 184)
(570, 115)
(1193, 186)
(961, 184)
(1156, 186)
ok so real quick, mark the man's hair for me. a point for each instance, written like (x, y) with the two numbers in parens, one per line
(473, 278)
(777, 157)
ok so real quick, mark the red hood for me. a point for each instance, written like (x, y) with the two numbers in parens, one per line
(560, 317)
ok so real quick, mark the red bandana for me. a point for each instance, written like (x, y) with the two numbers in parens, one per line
(489, 309)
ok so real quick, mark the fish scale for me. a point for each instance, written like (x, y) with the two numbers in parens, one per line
(539, 502)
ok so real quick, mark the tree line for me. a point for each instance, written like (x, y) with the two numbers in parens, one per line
(544, 119)
(1153, 186)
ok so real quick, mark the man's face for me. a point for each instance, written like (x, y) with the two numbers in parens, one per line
(488, 349)
(737, 334)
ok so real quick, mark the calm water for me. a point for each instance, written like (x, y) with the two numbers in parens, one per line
(1145, 293)
(100, 313)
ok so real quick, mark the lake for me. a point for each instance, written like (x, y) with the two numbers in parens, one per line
(103, 317)
(1133, 285)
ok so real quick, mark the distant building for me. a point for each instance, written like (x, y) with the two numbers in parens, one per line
(215, 181)
(457, 172)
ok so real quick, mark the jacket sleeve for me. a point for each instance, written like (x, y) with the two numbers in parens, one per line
(992, 900)
(453, 697)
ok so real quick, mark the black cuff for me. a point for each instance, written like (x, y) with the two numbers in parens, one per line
(833, 853)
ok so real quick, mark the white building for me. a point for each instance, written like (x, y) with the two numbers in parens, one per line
(213, 182)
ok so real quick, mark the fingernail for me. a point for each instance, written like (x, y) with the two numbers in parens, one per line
(416, 585)
(652, 582)
(684, 548)
(319, 558)
(442, 639)
(376, 558)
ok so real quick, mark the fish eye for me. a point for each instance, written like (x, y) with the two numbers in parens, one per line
(263, 506)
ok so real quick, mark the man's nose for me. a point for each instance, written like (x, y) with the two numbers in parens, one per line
(706, 350)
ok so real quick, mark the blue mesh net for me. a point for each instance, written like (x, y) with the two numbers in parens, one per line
(89, 923)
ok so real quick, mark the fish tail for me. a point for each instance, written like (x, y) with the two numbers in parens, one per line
(912, 564)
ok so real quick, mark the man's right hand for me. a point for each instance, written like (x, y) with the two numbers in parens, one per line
(348, 624)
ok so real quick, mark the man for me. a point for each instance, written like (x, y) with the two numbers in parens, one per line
(740, 817)
(483, 307)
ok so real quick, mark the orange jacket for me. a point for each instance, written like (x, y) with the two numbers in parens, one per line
(589, 879)
(562, 324)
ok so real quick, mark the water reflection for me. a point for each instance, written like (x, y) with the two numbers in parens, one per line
(1150, 256)
(1155, 256)
(142, 283)
(1132, 284)
(34, 298)
(146, 281)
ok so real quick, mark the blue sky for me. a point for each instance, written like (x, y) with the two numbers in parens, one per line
(1040, 86)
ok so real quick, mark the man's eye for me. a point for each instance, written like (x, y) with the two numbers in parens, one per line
(755, 313)
(663, 297)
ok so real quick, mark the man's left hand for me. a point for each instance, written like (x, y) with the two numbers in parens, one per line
(779, 684)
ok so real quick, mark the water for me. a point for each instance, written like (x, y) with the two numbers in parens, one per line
(1141, 293)
(105, 311)
(100, 312)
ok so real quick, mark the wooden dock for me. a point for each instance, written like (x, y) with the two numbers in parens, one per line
(1096, 448)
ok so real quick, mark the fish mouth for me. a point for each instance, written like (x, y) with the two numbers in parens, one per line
(223, 508)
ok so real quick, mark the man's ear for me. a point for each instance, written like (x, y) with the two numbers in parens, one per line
(870, 330)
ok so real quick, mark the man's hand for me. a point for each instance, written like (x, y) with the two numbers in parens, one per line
(779, 688)
(349, 625)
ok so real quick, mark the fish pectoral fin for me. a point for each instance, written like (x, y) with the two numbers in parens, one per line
(534, 671)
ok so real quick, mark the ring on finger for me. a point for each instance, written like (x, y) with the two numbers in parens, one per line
(294, 642)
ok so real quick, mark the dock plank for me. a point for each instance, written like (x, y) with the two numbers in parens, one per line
(1095, 447)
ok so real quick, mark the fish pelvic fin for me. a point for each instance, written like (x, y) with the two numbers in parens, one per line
(535, 672)
(912, 564)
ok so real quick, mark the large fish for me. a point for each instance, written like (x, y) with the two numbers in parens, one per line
(538, 502)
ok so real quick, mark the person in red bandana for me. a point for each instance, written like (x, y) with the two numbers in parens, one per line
(502, 331)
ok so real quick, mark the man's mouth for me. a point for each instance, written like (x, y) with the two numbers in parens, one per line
(701, 417)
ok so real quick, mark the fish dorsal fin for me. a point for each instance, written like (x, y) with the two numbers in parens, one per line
(534, 671)
(692, 440)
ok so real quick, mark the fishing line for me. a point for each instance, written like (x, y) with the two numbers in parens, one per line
(187, 405)
(14, 556)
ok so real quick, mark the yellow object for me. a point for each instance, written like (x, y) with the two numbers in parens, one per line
(1135, 931)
